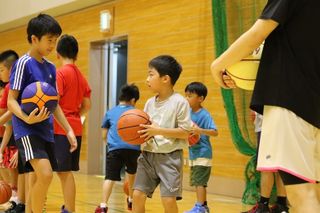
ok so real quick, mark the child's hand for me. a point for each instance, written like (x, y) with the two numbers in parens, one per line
(72, 140)
(227, 80)
(41, 116)
(149, 131)
(14, 160)
(195, 130)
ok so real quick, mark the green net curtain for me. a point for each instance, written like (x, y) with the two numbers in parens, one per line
(230, 19)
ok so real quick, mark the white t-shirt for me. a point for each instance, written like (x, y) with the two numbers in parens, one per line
(173, 112)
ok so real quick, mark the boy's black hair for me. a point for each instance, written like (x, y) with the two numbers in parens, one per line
(8, 58)
(198, 88)
(166, 65)
(127, 92)
(67, 47)
(42, 25)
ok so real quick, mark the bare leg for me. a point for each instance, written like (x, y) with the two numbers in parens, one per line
(303, 198)
(130, 183)
(201, 194)
(139, 201)
(68, 189)
(267, 181)
(170, 204)
(30, 179)
(43, 171)
(107, 189)
(21, 188)
(281, 190)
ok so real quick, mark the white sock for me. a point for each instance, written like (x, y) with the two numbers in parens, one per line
(130, 199)
(103, 205)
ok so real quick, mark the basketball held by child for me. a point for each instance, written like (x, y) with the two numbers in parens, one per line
(129, 125)
(245, 71)
(37, 95)
(193, 138)
(5, 192)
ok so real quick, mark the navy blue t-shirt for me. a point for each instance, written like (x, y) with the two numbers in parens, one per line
(110, 122)
(24, 72)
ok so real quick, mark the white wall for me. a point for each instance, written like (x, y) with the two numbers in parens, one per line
(14, 13)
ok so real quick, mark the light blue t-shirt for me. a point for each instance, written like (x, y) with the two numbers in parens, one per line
(110, 122)
(203, 148)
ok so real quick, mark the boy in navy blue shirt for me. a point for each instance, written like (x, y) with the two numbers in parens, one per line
(119, 153)
(200, 154)
(34, 132)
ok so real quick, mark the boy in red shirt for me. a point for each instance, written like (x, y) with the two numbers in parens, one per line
(74, 99)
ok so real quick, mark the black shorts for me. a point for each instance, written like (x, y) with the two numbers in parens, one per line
(118, 158)
(66, 160)
(33, 147)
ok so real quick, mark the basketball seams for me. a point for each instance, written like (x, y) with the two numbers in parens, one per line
(245, 79)
(147, 119)
(38, 96)
(133, 126)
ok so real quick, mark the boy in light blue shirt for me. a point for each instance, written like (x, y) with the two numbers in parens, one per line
(200, 154)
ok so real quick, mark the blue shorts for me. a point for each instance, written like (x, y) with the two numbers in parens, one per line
(33, 147)
(66, 160)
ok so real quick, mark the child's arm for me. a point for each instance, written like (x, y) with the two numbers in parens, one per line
(5, 117)
(199, 131)
(154, 129)
(61, 119)
(85, 105)
(32, 118)
(104, 132)
(5, 140)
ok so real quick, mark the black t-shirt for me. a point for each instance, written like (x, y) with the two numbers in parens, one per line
(289, 71)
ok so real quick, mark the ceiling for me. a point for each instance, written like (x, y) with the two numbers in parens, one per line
(15, 13)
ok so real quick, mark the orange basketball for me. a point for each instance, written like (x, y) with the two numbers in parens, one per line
(129, 125)
(126, 187)
(5, 192)
(193, 138)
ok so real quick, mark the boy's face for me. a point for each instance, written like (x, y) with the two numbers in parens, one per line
(154, 81)
(46, 44)
(193, 99)
(4, 73)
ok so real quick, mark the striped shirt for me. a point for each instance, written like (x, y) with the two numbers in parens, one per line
(25, 71)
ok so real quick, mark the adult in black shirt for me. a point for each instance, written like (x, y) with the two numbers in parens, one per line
(287, 91)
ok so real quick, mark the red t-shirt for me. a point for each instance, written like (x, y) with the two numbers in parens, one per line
(3, 104)
(4, 98)
(72, 88)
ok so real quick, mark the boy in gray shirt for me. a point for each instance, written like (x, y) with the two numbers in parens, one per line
(162, 158)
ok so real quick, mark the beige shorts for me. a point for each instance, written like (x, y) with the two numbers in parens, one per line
(290, 144)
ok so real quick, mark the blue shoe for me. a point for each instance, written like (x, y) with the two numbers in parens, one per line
(198, 208)
(63, 209)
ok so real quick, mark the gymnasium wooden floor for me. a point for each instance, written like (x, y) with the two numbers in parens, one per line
(89, 196)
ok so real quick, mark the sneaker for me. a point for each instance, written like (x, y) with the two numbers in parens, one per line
(19, 208)
(129, 204)
(259, 208)
(12, 206)
(279, 209)
(63, 210)
(101, 210)
(207, 209)
(198, 208)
